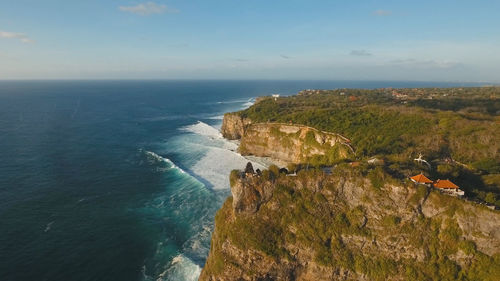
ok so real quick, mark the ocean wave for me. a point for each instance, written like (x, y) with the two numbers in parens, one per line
(216, 165)
(217, 117)
(233, 101)
(249, 103)
(219, 155)
(164, 118)
(181, 268)
(155, 157)
(49, 226)
(203, 129)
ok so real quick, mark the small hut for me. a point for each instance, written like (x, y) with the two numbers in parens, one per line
(447, 186)
(421, 179)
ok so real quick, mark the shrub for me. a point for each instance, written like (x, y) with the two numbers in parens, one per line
(467, 246)
(447, 170)
(234, 176)
(275, 170)
(489, 165)
(391, 221)
(376, 177)
(292, 167)
(267, 175)
(490, 198)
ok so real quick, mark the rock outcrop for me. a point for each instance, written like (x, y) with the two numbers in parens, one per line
(285, 142)
(341, 227)
(233, 126)
(248, 195)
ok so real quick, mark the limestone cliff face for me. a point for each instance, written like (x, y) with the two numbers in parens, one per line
(249, 194)
(292, 143)
(340, 227)
(285, 142)
(233, 126)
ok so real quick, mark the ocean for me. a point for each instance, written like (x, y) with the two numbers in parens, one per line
(120, 180)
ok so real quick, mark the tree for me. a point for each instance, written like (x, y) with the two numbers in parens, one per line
(249, 168)
(490, 198)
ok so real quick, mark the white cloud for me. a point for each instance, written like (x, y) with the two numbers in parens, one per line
(360, 53)
(5, 34)
(14, 35)
(148, 8)
(27, 40)
(382, 13)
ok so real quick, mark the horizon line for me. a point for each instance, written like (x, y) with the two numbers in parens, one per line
(247, 79)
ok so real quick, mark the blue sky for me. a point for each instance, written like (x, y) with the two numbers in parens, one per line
(250, 39)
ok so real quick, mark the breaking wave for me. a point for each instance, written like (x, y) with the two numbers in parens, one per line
(216, 165)
(218, 117)
(249, 103)
(155, 157)
(181, 268)
(219, 155)
(189, 205)
(203, 129)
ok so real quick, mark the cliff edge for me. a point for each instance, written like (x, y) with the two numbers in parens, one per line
(233, 126)
(349, 226)
(290, 143)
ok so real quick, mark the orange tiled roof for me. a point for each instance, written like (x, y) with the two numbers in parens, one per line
(421, 179)
(445, 184)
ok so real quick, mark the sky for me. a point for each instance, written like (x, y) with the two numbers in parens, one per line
(438, 40)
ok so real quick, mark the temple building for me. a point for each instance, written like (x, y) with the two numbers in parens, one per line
(444, 186)
(421, 179)
(447, 186)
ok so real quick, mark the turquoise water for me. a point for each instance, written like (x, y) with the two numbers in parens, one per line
(119, 180)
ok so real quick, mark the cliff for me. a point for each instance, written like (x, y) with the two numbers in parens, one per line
(349, 226)
(233, 126)
(286, 142)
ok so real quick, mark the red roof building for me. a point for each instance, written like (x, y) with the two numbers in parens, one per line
(421, 179)
(445, 184)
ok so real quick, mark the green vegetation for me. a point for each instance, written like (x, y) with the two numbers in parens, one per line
(379, 123)
(311, 216)
(345, 220)
(455, 129)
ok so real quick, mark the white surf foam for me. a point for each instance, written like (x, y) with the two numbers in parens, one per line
(249, 103)
(232, 101)
(218, 117)
(213, 134)
(203, 129)
(205, 155)
(216, 165)
(165, 160)
(246, 103)
(181, 268)
(49, 226)
(220, 156)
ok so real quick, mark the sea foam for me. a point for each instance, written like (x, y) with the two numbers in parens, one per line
(169, 162)
(217, 117)
(219, 157)
(206, 156)
(249, 103)
(216, 165)
(183, 268)
(203, 129)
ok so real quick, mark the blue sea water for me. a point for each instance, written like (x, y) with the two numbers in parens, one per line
(119, 180)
